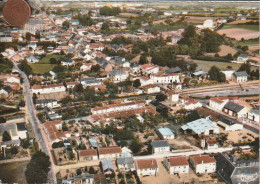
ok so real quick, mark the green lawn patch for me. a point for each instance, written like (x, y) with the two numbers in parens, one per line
(13, 172)
(46, 59)
(42, 68)
(248, 42)
(253, 27)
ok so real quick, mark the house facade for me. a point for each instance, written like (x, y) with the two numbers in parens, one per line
(109, 152)
(203, 164)
(146, 167)
(160, 146)
(87, 155)
(177, 165)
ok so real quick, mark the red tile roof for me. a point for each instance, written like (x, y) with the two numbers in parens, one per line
(178, 161)
(89, 152)
(200, 159)
(109, 150)
(146, 163)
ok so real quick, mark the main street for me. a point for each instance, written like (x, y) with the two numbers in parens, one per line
(36, 125)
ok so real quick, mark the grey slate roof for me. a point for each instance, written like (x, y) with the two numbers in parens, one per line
(173, 70)
(102, 62)
(21, 126)
(254, 111)
(89, 80)
(107, 164)
(241, 74)
(117, 72)
(228, 121)
(125, 160)
(45, 101)
(233, 107)
(234, 171)
(160, 143)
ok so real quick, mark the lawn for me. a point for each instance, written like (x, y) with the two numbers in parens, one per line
(248, 42)
(253, 27)
(206, 65)
(13, 172)
(46, 59)
(42, 68)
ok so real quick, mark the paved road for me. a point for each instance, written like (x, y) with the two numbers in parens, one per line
(15, 160)
(36, 125)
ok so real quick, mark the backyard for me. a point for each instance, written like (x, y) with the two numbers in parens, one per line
(42, 68)
(13, 172)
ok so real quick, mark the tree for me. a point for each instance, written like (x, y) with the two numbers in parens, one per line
(14, 150)
(143, 59)
(28, 36)
(37, 35)
(34, 98)
(215, 74)
(245, 67)
(161, 97)
(137, 83)
(25, 67)
(66, 24)
(6, 136)
(38, 168)
(78, 88)
(53, 61)
(2, 120)
(92, 170)
(136, 146)
(105, 26)
(193, 67)
(21, 103)
(25, 143)
(95, 68)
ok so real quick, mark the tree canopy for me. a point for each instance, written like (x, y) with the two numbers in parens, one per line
(38, 168)
(107, 11)
(24, 66)
(215, 74)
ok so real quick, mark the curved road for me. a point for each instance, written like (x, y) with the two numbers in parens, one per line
(36, 125)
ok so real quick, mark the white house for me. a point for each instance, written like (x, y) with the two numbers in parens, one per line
(208, 24)
(87, 155)
(151, 88)
(85, 67)
(67, 62)
(109, 152)
(118, 107)
(165, 78)
(166, 133)
(13, 79)
(177, 165)
(203, 164)
(51, 103)
(160, 146)
(218, 103)
(228, 73)
(212, 144)
(202, 126)
(192, 104)
(242, 58)
(32, 59)
(144, 80)
(230, 125)
(149, 69)
(125, 164)
(48, 89)
(118, 75)
(146, 167)
(90, 81)
(240, 76)
(235, 110)
(253, 115)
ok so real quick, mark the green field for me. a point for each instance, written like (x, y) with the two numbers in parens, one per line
(206, 65)
(242, 26)
(46, 59)
(13, 172)
(42, 68)
(248, 42)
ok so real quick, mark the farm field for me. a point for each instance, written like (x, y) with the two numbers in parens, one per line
(254, 27)
(225, 50)
(248, 42)
(206, 65)
(42, 68)
(13, 172)
(239, 33)
(46, 59)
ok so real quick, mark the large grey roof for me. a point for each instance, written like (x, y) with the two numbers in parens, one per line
(233, 107)
(117, 72)
(173, 70)
(45, 101)
(107, 164)
(89, 80)
(241, 74)
(21, 126)
(228, 121)
(160, 143)
(125, 160)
